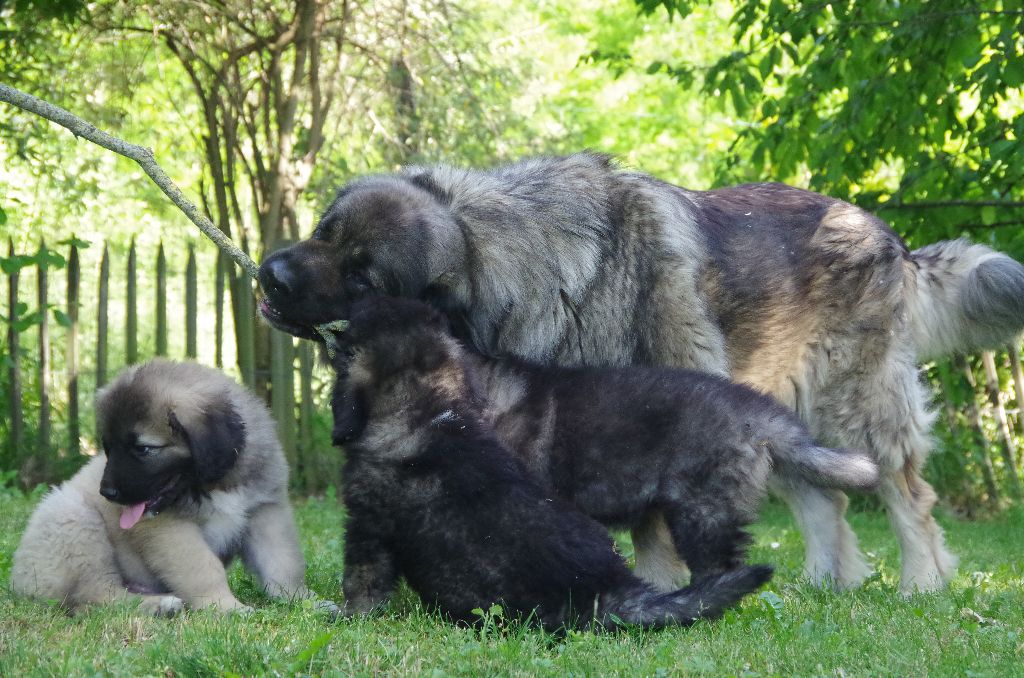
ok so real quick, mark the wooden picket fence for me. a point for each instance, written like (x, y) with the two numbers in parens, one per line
(992, 422)
(290, 379)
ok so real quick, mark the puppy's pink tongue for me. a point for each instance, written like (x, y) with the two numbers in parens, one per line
(131, 515)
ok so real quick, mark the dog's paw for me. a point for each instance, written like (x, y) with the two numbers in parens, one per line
(162, 606)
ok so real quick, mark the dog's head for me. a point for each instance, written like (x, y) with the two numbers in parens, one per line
(397, 361)
(386, 235)
(168, 433)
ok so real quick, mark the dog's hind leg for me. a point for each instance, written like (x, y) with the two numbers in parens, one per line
(883, 411)
(832, 555)
(657, 560)
(927, 564)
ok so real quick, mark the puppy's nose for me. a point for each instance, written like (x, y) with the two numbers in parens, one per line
(109, 492)
(276, 276)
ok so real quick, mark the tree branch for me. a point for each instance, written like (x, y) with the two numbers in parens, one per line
(939, 204)
(141, 155)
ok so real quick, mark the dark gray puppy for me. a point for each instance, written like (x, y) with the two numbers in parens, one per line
(432, 495)
(572, 261)
(615, 442)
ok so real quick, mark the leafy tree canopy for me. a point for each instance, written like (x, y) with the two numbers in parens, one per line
(911, 109)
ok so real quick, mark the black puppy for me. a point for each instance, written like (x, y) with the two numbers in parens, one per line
(433, 496)
(623, 445)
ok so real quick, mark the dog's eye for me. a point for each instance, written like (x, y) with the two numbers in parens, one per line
(146, 450)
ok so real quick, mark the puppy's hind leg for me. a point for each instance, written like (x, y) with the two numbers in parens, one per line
(637, 603)
(657, 561)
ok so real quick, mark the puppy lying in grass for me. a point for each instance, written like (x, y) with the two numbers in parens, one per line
(625, 445)
(434, 496)
(192, 476)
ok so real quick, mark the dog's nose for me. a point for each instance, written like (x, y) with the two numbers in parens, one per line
(108, 492)
(277, 277)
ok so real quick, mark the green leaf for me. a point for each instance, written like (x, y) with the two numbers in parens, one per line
(61, 317)
(14, 263)
(75, 241)
(988, 215)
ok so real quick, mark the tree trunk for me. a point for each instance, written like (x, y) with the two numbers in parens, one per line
(978, 428)
(1002, 425)
(1018, 384)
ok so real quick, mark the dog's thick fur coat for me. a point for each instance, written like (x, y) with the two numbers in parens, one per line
(570, 261)
(432, 495)
(616, 441)
(198, 453)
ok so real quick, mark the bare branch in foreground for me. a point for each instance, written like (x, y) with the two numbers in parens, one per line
(140, 154)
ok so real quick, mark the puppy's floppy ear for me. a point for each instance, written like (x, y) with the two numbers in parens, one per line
(349, 411)
(215, 437)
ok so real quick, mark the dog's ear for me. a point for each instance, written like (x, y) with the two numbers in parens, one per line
(215, 437)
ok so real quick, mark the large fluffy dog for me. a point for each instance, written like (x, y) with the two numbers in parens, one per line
(433, 496)
(193, 476)
(617, 441)
(569, 261)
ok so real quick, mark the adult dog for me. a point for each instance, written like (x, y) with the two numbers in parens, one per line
(616, 441)
(570, 261)
(193, 476)
(432, 495)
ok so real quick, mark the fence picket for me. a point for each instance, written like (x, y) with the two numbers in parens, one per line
(42, 296)
(191, 303)
(131, 310)
(102, 308)
(161, 302)
(218, 310)
(13, 374)
(71, 354)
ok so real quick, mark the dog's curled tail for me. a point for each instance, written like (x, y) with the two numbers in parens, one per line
(705, 599)
(962, 297)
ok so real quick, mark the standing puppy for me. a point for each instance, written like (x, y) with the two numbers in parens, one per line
(615, 442)
(193, 476)
(433, 496)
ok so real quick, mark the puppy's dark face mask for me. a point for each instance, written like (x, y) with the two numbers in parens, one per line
(395, 359)
(154, 462)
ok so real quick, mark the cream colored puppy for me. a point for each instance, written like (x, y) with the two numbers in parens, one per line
(193, 476)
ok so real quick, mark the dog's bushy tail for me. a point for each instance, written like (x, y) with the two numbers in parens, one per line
(826, 466)
(962, 297)
(705, 599)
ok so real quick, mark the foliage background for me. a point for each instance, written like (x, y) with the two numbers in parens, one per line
(910, 109)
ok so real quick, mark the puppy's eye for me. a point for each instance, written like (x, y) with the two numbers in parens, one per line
(147, 450)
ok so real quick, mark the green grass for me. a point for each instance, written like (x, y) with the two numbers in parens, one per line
(974, 628)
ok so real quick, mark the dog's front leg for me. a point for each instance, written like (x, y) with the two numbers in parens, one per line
(370, 571)
(179, 556)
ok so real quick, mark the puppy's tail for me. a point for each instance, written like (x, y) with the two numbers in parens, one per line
(705, 599)
(962, 297)
(825, 466)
